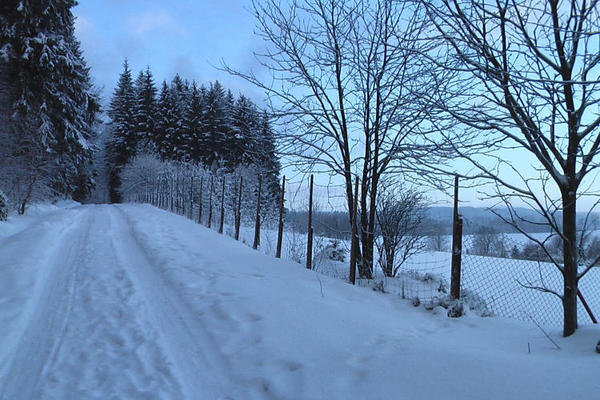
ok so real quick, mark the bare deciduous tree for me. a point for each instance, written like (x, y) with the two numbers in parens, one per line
(343, 80)
(519, 79)
(487, 241)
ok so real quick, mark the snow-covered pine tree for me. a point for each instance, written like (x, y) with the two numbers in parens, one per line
(245, 128)
(230, 150)
(192, 126)
(180, 140)
(145, 106)
(166, 123)
(215, 123)
(52, 102)
(259, 149)
(267, 163)
(123, 141)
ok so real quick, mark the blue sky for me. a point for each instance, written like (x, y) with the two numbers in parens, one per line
(183, 36)
(189, 37)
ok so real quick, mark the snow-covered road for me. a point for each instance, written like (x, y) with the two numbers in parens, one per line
(100, 321)
(130, 302)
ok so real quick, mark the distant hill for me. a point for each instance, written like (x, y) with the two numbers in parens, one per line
(475, 217)
(439, 221)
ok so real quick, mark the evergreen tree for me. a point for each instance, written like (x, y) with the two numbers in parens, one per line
(166, 123)
(123, 143)
(194, 140)
(180, 140)
(215, 123)
(145, 106)
(231, 144)
(52, 102)
(266, 160)
(244, 130)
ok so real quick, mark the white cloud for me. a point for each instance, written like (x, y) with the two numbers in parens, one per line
(83, 26)
(154, 20)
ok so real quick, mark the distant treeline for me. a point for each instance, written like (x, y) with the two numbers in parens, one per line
(438, 222)
(336, 224)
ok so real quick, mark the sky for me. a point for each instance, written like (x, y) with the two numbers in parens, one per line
(189, 37)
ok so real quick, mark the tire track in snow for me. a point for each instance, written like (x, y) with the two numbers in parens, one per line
(110, 349)
(46, 315)
(84, 334)
(204, 372)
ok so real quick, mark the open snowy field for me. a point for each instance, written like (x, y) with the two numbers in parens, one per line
(491, 285)
(131, 302)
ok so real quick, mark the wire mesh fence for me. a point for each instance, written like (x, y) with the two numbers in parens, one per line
(503, 274)
(517, 281)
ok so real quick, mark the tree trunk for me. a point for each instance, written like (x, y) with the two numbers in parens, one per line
(570, 261)
(389, 262)
(27, 195)
(365, 266)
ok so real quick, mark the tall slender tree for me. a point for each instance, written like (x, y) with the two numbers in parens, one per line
(166, 123)
(145, 106)
(124, 139)
(192, 126)
(216, 124)
(244, 132)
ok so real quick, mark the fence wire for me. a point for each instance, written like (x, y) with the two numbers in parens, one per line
(503, 274)
(515, 280)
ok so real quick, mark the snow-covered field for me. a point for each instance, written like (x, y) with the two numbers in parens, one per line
(490, 285)
(131, 302)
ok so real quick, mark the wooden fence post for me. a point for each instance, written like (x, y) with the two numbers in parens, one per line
(257, 223)
(177, 196)
(457, 225)
(210, 203)
(280, 230)
(221, 221)
(192, 197)
(200, 200)
(238, 212)
(354, 240)
(309, 245)
(171, 198)
(587, 307)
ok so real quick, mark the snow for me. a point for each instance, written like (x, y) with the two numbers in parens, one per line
(131, 302)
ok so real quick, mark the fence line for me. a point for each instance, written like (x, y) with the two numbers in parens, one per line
(495, 270)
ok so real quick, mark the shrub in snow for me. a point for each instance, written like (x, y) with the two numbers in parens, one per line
(379, 287)
(456, 309)
(331, 252)
(3, 207)
(598, 347)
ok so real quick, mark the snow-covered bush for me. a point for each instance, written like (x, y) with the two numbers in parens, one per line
(334, 252)
(455, 309)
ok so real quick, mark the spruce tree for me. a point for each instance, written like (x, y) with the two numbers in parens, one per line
(145, 106)
(231, 147)
(179, 141)
(123, 142)
(215, 125)
(194, 139)
(266, 160)
(52, 105)
(244, 130)
(166, 123)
